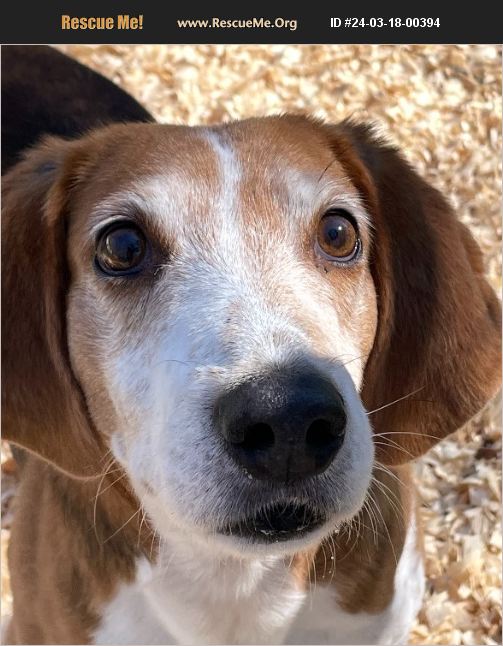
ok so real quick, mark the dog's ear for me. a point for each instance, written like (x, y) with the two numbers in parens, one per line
(43, 407)
(438, 344)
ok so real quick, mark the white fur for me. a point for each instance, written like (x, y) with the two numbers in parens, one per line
(191, 597)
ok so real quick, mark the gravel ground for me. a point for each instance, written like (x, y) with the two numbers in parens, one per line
(442, 106)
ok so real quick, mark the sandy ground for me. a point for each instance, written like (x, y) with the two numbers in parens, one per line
(442, 106)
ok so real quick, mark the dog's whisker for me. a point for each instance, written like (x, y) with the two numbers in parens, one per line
(386, 433)
(180, 361)
(393, 500)
(140, 527)
(123, 475)
(123, 525)
(381, 467)
(391, 444)
(95, 505)
(395, 401)
(326, 169)
(378, 509)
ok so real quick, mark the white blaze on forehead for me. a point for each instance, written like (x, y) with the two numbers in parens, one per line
(229, 169)
(226, 203)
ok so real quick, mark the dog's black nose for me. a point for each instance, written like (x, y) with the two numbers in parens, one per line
(282, 427)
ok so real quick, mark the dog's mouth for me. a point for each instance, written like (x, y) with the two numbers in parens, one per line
(277, 523)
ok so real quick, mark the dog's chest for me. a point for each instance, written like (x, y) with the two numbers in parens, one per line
(190, 601)
(176, 602)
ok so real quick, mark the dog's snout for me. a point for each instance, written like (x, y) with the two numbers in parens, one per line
(282, 427)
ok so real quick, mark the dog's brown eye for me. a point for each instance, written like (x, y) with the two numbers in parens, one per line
(121, 250)
(338, 235)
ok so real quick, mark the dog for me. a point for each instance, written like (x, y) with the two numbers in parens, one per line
(222, 348)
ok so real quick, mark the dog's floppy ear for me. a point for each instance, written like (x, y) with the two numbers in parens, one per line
(43, 408)
(438, 342)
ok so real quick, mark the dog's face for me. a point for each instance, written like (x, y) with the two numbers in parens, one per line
(220, 316)
(213, 305)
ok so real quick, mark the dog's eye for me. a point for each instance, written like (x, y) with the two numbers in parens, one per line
(121, 249)
(338, 235)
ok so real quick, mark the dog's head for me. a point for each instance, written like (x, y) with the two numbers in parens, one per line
(247, 316)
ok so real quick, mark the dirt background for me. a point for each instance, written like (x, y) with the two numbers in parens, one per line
(442, 106)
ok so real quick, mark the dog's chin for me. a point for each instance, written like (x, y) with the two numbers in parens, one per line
(276, 523)
(279, 528)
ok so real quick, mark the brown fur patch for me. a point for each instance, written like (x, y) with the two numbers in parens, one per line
(72, 543)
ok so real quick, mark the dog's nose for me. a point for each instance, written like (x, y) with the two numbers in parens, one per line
(282, 427)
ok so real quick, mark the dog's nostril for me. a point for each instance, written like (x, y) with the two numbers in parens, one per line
(258, 437)
(320, 433)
